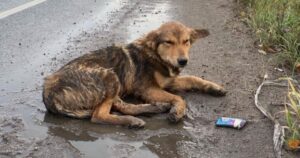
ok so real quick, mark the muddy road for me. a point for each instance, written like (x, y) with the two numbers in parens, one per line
(37, 41)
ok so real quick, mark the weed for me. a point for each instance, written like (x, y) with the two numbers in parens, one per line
(277, 25)
(292, 114)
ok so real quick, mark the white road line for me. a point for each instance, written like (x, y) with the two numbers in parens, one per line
(20, 8)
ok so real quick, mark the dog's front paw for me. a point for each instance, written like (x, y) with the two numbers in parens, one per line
(162, 106)
(176, 114)
(137, 123)
(217, 91)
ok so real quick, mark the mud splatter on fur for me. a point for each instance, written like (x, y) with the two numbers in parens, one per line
(92, 85)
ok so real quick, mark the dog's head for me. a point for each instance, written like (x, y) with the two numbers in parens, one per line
(172, 42)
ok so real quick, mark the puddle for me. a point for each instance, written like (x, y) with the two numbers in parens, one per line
(107, 147)
(20, 90)
(30, 74)
(37, 41)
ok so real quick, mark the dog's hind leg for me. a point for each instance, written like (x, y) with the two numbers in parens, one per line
(102, 115)
(102, 111)
(139, 109)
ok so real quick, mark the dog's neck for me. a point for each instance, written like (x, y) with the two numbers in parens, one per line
(155, 60)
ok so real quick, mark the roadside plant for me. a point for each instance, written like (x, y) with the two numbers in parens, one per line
(276, 24)
(292, 114)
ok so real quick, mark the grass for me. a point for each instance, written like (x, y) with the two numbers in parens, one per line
(292, 114)
(277, 26)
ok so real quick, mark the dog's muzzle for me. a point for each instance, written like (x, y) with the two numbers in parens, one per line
(182, 62)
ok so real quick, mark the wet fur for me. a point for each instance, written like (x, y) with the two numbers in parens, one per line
(93, 84)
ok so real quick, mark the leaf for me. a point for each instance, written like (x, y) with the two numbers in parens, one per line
(293, 143)
(297, 67)
(243, 14)
(262, 52)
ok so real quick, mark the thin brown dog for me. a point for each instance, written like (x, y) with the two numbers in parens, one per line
(92, 85)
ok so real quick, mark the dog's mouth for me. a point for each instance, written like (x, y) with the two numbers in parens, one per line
(180, 69)
(180, 66)
(176, 65)
(172, 64)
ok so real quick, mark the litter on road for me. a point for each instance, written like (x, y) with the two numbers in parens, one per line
(230, 122)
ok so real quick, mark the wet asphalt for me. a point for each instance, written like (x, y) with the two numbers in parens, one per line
(37, 41)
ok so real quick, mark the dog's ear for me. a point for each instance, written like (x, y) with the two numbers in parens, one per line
(151, 40)
(198, 33)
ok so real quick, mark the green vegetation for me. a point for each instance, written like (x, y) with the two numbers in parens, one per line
(292, 113)
(277, 26)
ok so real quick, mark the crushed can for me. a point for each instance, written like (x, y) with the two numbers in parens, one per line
(230, 122)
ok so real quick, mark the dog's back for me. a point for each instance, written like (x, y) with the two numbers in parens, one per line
(82, 84)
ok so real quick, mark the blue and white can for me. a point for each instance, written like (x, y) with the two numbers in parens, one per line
(230, 122)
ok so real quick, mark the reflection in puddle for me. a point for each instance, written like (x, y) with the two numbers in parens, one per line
(106, 147)
(158, 139)
(113, 141)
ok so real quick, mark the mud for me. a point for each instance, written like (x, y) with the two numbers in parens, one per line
(227, 56)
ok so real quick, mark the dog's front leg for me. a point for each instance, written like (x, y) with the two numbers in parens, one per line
(157, 95)
(195, 83)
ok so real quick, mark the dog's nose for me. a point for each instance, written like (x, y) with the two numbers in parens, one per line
(182, 61)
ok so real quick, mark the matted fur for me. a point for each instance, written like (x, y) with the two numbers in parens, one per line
(92, 85)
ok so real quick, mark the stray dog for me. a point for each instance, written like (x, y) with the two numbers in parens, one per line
(92, 85)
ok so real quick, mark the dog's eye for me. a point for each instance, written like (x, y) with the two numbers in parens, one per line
(186, 41)
(169, 42)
